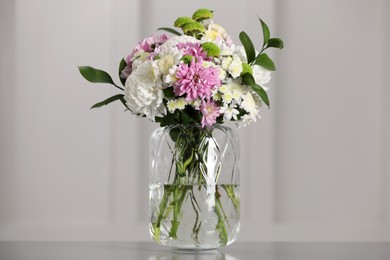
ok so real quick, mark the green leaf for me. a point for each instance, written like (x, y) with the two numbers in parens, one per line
(265, 61)
(262, 93)
(248, 46)
(95, 75)
(248, 79)
(173, 31)
(109, 100)
(266, 32)
(168, 93)
(122, 65)
(275, 43)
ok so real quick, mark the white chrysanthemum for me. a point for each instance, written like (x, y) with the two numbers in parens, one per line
(229, 112)
(168, 59)
(261, 75)
(217, 96)
(246, 120)
(232, 91)
(196, 103)
(207, 64)
(227, 97)
(143, 93)
(238, 90)
(224, 88)
(240, 52)
(215, 33)
(170, 78)
(222, 74)
(174, 104)
(226, 63)
(249, 104)
(226, 91)
(235, 67)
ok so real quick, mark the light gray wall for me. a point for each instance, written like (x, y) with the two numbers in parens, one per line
(314, 168)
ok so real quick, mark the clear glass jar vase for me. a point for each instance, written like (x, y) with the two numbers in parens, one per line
(194, 186)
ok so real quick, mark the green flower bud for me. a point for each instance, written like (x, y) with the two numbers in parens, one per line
(202, 14)
(193, 28)
(211, 48)
(181, 21)
(246, 68)
(187, 59)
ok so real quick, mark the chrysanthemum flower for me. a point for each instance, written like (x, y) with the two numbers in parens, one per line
(196, 81)
(143, 94)
(229, 112)
(210, 112)
(147, 45)
(193, 49)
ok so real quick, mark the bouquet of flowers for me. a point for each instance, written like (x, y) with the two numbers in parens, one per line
(196, 77)
(191, 82)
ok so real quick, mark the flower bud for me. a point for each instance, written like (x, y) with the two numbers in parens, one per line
(202, 14)
(181, 21)
(193, 28)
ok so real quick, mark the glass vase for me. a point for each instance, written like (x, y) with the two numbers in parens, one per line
(194, 186)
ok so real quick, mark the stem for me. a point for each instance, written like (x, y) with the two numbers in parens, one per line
(196, 228)
(223, 236)
(161, 215)
(218, 196)
(177, 205)
(118, 87)
(189, 168)
(230, 192)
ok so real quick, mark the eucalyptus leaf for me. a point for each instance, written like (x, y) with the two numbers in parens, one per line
(109, 100)
(266, 32)
(248, 46)
(173, 31)
(265, 61)
(275, 43)
(122, 65)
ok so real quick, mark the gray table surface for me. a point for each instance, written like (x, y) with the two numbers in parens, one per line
(236, 251)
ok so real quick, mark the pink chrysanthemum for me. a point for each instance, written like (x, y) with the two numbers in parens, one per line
(147, 45)
(196, 81)
(210, 112)
(193, 49)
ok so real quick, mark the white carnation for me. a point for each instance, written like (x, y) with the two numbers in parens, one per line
(225, 49)
(174, 41)
(261, 75)
(240, 52)
(143, 93)
(139, 58)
